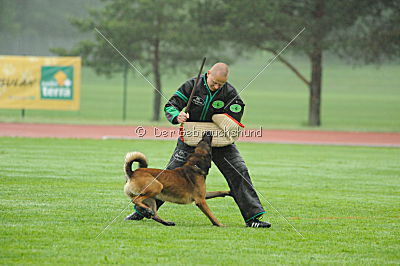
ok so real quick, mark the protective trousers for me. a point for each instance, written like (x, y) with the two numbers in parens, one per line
(233, 167)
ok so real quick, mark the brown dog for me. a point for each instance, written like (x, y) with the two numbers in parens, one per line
(182, 185)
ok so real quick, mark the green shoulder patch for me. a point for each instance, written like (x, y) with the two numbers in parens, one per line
(236, 108)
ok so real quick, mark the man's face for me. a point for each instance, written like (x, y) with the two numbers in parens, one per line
(215, 81)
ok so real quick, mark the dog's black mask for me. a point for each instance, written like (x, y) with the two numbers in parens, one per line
(200, 160)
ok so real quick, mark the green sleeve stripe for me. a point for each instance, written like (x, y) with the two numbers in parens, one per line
(255, 216)
(182, 96)
(172, 111)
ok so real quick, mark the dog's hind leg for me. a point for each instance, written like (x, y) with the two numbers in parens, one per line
(158, 219)
(149, 187)
(217, 194)
(142, 208)
(153, 205)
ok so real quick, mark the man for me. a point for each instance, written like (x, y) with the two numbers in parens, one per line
(214, 95)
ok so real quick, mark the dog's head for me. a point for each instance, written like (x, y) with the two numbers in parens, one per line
(204, 146)
(200, 160)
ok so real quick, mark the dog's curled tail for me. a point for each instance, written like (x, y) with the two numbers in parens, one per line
(134, 157)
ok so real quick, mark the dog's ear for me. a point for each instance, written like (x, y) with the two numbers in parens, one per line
(207, 136)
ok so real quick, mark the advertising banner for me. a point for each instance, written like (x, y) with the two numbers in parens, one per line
(30, 82)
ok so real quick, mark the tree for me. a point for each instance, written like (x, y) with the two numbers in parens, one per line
(158, 35)
(269, 25)
(108, 27)
(373, 38)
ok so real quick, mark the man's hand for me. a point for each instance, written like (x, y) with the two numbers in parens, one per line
(182, 117)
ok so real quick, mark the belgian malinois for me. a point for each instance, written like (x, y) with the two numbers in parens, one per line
(182, 185)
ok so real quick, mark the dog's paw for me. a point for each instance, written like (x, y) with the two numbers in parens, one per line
(170, 224)
(219, 225)
(146, 212)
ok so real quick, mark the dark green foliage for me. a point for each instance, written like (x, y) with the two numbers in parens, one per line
(374, 37)
(156, 36)
(366, 31)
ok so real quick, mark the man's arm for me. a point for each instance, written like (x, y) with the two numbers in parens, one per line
(178, 101)
(235, 107)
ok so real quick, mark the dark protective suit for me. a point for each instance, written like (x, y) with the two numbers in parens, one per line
(206, 103)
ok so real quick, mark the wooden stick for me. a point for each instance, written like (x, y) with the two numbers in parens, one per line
(194, 87)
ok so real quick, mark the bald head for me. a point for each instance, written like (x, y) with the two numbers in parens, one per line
(217, 76)
(220, 69)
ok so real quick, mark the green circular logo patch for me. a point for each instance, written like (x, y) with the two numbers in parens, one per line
(218, 104)
(236, 108)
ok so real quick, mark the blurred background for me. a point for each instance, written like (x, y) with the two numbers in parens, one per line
(330, 64)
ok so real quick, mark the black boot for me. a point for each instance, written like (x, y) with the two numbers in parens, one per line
(135, 216)
(255, 223)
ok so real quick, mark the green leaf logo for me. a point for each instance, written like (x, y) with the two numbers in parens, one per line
(57, 82)
(236, 108)
(218, 104)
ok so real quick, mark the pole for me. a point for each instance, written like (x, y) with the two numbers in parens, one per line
(125, 92)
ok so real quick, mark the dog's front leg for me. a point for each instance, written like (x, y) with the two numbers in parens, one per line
(201, 203)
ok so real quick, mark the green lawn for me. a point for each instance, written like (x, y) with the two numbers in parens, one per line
(364, 98)
(57, 195)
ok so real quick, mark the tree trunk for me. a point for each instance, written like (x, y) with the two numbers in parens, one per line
(157, 79)
(124, 97)
(314, 115)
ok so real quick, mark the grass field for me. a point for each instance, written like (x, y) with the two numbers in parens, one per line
(57, 195)
(362, 99)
